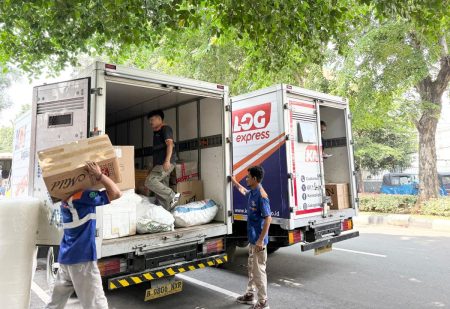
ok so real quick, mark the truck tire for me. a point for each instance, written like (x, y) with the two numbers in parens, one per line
(52, 266)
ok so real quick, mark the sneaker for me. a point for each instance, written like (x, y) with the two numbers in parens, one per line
(175, 200)
(247, 299)
(261, 305)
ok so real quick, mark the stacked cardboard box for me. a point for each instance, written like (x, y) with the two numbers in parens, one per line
(339, 194)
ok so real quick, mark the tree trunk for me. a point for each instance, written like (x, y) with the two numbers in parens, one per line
(428, 178)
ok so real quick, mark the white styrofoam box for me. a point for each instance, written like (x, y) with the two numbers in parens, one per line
(119, 217)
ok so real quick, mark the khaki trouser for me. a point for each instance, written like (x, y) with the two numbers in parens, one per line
(257, 277)
(85, 280)
(158, 182)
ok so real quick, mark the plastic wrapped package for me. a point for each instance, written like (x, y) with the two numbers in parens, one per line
(152, 218)
(18, 227)
(196, 213)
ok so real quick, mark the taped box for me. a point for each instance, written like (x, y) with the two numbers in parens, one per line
(186, 171)
(191, 191)
(63, 167)
(339, 195)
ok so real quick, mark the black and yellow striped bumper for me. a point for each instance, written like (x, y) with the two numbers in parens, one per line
(154, 274)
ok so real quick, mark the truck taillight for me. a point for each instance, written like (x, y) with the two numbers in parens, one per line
(110, 66)
(213, 246)
(295, 236)
(347, 224)
(112, 266)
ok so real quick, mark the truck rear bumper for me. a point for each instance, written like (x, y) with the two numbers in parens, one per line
(164, 272)
(327, 241)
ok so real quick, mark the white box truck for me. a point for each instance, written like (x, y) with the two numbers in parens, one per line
(280, 128)
(115, 100)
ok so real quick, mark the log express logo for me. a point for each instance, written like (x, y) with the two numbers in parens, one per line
(247, 120)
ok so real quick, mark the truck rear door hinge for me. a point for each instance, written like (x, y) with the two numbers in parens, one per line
(97, 91)
(228, 108)
(230, 213)
(350, 116)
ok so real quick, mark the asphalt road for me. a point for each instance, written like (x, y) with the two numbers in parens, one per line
(383, 268)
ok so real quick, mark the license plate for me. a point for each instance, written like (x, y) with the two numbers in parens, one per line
(324, 249)
(164, 290)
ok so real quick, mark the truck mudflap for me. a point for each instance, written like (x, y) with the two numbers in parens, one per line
(328, 241)
(165, 272)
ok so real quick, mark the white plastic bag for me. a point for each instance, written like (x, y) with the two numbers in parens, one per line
(153, 219)
(129, 197)
(195, 213)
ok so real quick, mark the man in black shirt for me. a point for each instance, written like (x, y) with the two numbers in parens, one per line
(163, 161)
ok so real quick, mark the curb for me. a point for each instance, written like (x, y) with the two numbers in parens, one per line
(406, 221)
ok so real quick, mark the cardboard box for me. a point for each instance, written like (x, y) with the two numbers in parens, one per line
(125, 155)
(186, 171)
(339, 194)
(63, 167)
(140, 176)
(191, 191)
(119, 218)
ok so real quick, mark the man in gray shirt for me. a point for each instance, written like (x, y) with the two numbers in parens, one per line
(163, 161)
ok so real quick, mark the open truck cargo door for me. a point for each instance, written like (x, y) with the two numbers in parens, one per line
(56, 106)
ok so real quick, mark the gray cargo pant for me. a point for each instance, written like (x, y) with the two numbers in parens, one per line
(85, 280)
(257, 277)
(158, 182)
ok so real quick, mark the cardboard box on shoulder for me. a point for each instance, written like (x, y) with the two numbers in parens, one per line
(125, 155)
(191, 191)
(339, 195)
(63, 167)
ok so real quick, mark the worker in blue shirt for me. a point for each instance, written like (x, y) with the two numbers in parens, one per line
(258, 223)
(78, 270)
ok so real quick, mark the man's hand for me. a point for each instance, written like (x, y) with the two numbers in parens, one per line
(233, 180)
(259, 245)
(166, 166)
(93, 169)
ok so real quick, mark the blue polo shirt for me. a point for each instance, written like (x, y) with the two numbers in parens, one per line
(78, 215)
(258, 208)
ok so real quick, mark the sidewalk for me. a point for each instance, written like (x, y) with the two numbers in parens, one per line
(407, 221)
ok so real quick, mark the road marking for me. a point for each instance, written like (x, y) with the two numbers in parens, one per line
(208, 286)
(361, 252)
(40, 292)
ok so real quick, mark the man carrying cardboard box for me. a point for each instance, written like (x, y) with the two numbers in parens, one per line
(78, 270)
(163, 161)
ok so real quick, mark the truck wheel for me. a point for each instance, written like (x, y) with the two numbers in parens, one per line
(271, 250)
(52, 266)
